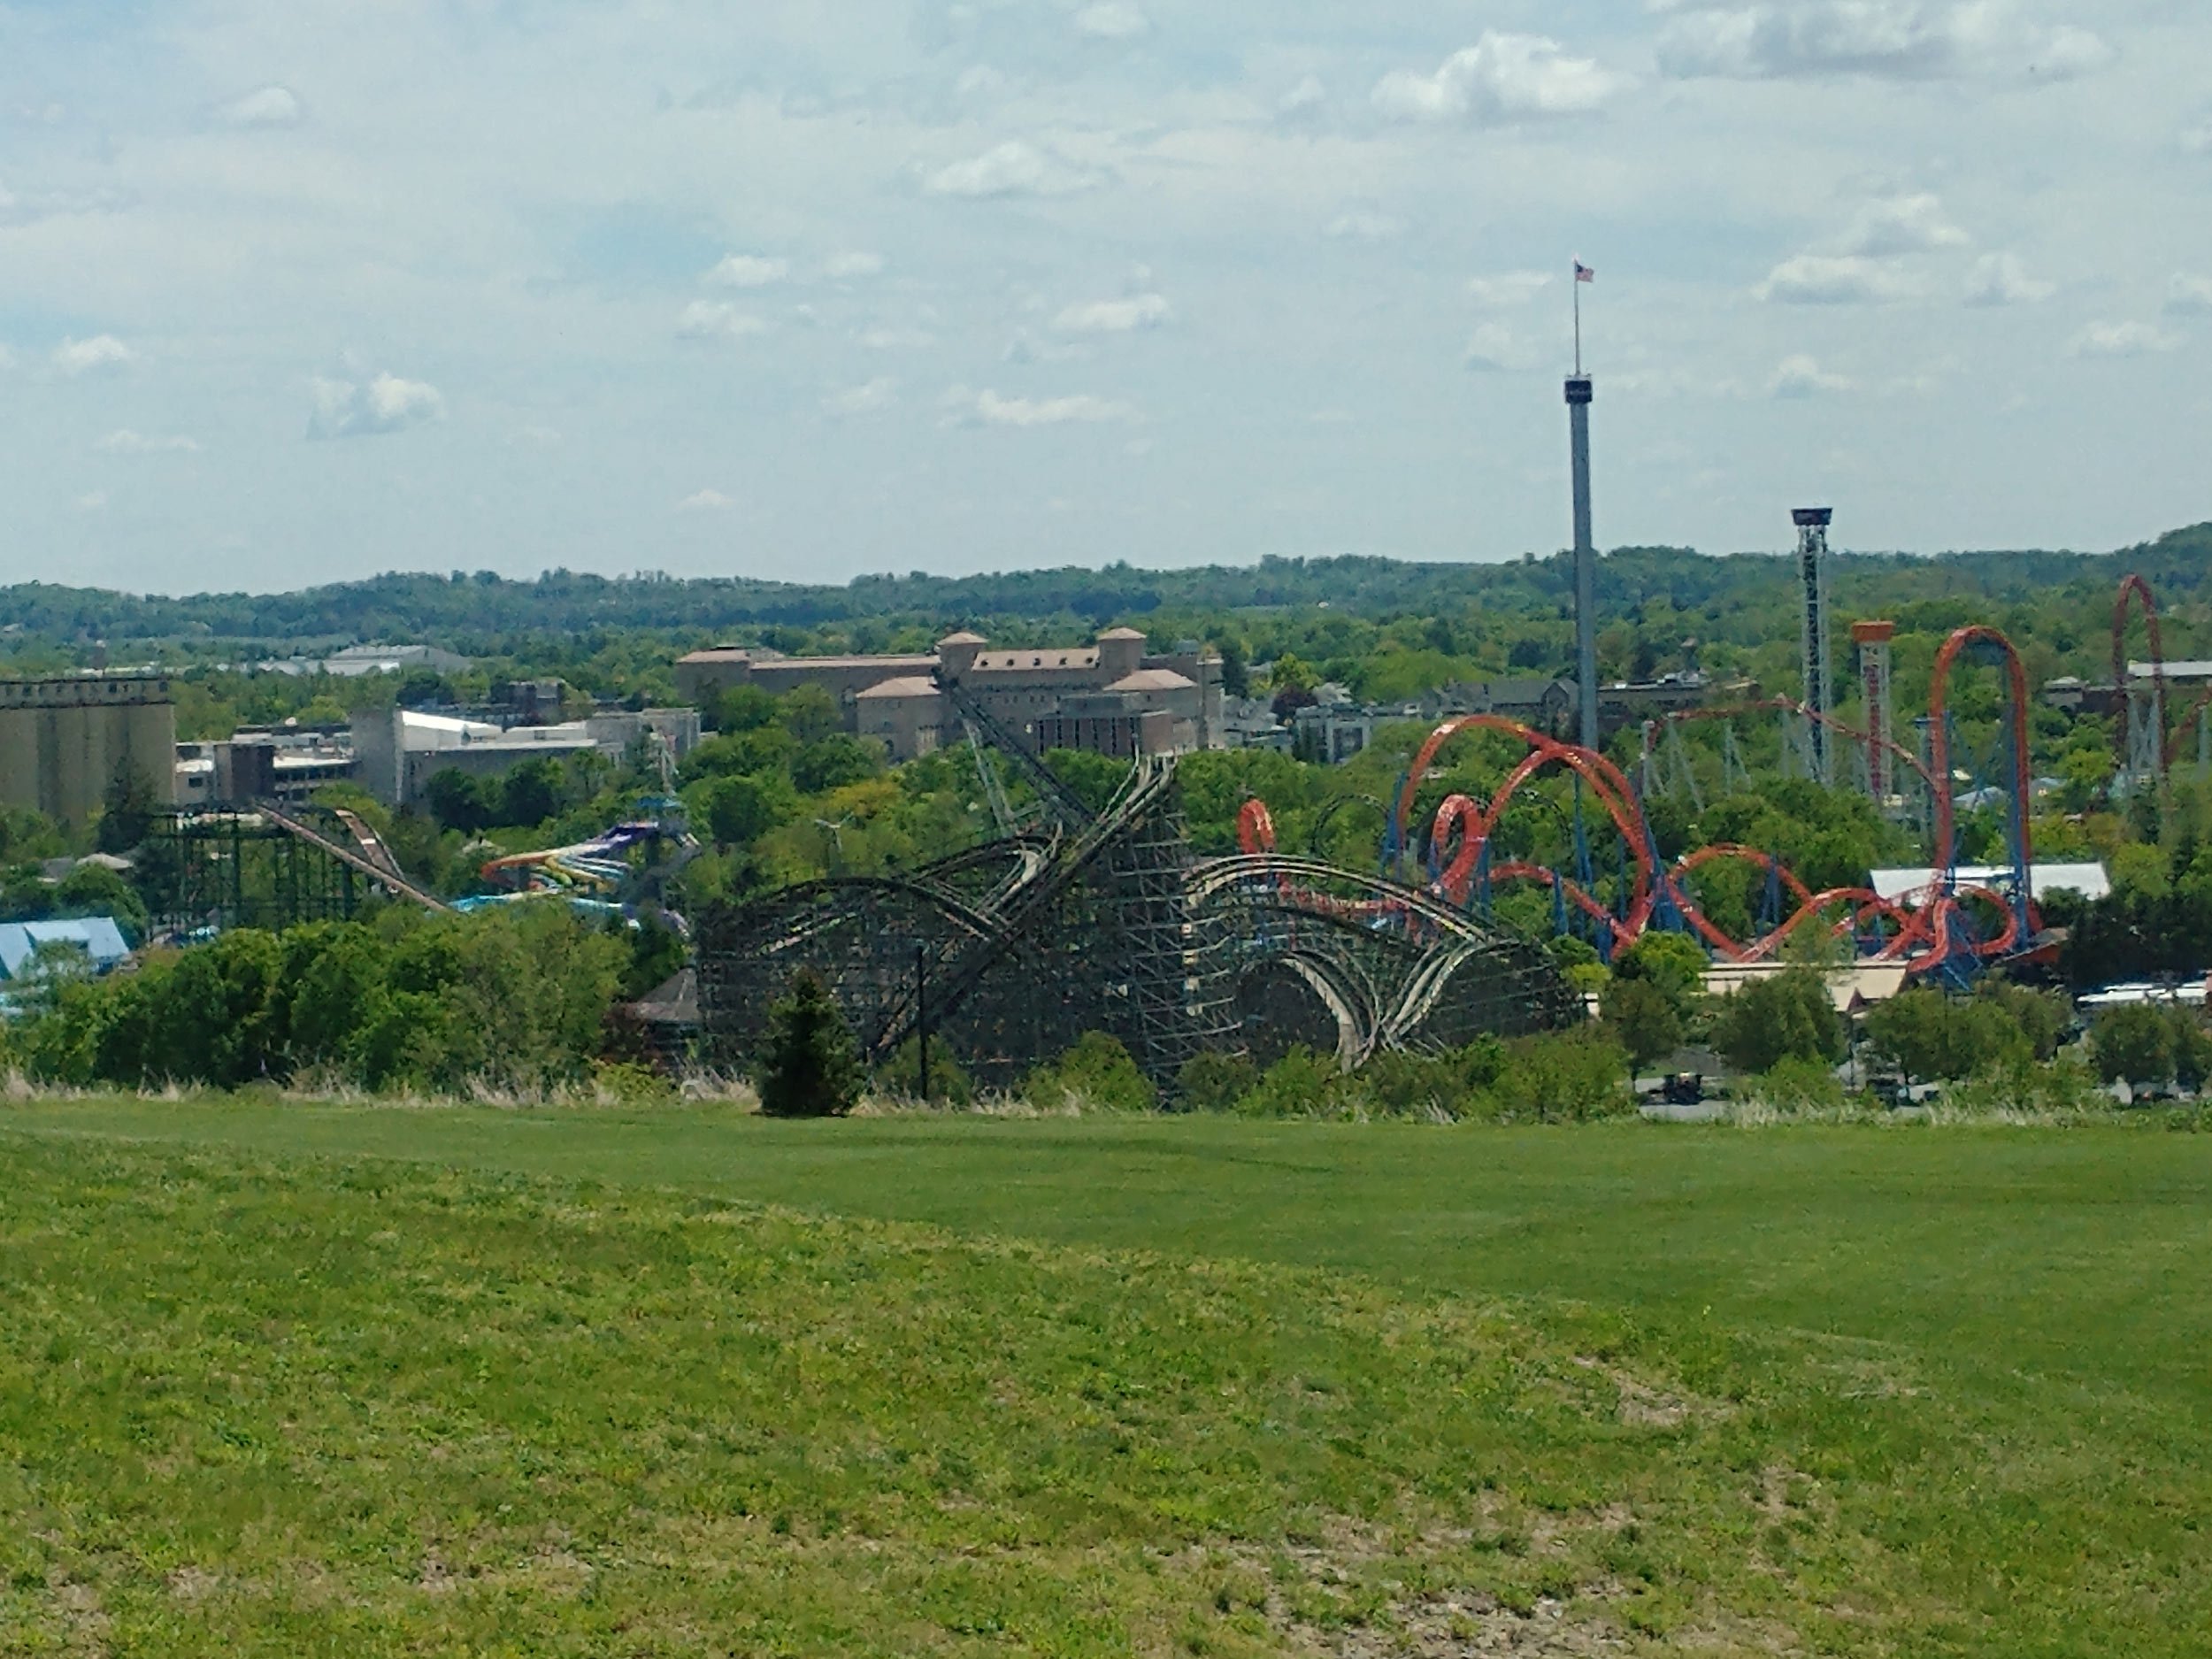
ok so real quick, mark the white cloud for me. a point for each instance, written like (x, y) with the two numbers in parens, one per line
(1306, 100)
(96, 502)
(1114, 316)
(1812, 279)
(749, 271)
(987, 408)
(1903, 224)
(1493, 348)
(877, 395)
(716, 320)
(2189, 297)
(125, 441)
(264, 106)
(1804, 377)
(2197, 141)
(1499, 78)
(1889, 39)
(2120, 340)
(386, 404)
(1111, 20)
(17, 208)
(1363, 225)
(853, 267)
(86, 356)
(705, 501)
(1014, 168)
(883, 337)
(2000, 279)
(1514, 288)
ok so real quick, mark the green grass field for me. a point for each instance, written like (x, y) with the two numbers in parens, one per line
(286, 1379)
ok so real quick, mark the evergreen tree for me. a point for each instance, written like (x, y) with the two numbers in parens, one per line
(809, 1070)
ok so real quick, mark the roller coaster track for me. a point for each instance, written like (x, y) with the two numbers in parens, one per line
(964, 963)
(1060, 801)
(386, 874)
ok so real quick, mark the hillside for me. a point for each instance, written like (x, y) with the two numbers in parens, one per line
(471, 611)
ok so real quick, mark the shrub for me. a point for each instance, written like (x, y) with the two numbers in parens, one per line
(902, 1074)
(1565, 1077)
(1211, 1082)
(1097, 1074)
(810, 1069)
(1798, 1087)
(1301, 1084)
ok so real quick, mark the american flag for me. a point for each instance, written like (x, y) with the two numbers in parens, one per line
(1584, 273)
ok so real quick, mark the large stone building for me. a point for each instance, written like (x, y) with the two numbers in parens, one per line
(63, 743)
(1113, 697)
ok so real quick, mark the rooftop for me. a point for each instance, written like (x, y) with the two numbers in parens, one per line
(907, 686)
(1154, 679)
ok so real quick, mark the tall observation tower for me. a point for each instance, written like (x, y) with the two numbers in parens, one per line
(1578, 397)
(1812, 577)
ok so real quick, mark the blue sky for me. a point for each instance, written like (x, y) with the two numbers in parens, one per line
(294, 293)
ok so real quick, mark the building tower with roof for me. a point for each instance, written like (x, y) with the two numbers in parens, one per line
(1873, 640)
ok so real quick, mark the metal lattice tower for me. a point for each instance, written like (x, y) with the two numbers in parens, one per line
(1812, 576)
(1873, 640)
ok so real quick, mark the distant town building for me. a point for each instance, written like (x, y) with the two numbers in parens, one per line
(26, 947)
(355, 661)
(261, 765)
(1113, 697)
(64, 742)
(398, 751)
(1250, 723)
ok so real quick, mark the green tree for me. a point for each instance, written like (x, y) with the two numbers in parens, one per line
(810, 1069)
(810, 714)
(1673, 963)
(2133, 1043)
(532, 792)
(2192, 1051)
(2045, 1017)
(743, 708)
(1642, 1019)
(458, 800)
(739, 812)
(833, 762)
(94, 890)
(126, 812)
(1777, 1017)
(1940, 1038)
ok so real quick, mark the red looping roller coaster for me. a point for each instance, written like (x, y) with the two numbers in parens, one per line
(1927, 929)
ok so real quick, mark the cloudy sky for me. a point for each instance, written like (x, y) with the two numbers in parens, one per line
(296, 292)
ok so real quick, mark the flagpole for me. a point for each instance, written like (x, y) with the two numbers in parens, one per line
(1577, 286)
